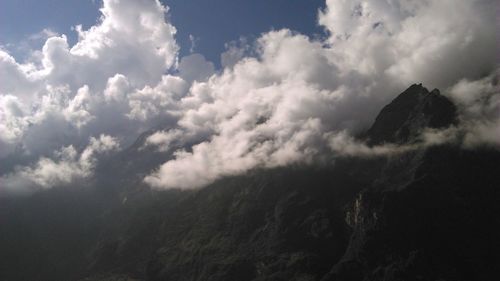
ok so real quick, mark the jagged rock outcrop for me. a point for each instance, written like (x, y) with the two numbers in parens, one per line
(423, 218)
(410, 112)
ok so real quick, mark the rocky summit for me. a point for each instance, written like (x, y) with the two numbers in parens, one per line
(413, 110)
(430, 213)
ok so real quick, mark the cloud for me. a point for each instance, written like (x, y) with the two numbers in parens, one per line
(69, 166)
(111, 81)
(195, 68)
(245, 150)
(16, 79)
(436, 42)
(164, 140)
(235, 51)
(285, 98)
(194, 41)
(479, 105)
(132, 39)
(150, 102)
(299, 99)
(343, 144)
(44, 34)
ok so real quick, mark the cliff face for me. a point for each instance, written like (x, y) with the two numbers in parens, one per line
(425, 217)
(428, 214)
(437, 226)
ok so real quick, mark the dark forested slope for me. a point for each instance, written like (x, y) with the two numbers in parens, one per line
(425, 214)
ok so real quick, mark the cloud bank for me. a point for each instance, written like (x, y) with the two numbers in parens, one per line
(285, 98)
(299, 98)
(68, 166)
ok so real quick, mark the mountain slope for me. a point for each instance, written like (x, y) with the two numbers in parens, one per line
(410, 112)
(426, 214)
(405, 217)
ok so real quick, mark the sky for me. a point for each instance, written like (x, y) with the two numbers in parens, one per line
(232, 86)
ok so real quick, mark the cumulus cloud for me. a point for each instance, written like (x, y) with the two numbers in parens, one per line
(244, 150)
(68, 166)
(284, 99)
(298, 96)
(149, 102)
(195, 68)
(111, 81)
(437, 42)
(16, 79)
(165, 140)
(132, 39)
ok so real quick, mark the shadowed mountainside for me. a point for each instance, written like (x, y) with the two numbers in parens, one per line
(427, 214)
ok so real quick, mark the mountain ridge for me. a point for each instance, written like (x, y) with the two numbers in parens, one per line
(410, 216)
(410, 112)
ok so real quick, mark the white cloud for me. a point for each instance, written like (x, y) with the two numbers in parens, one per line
(111, 81)
(163, 140)
(156, 101)
(116, 88)
(436, 42)
(43, 34)
(195, 68)
(479, 103)
(235, 51)
(15, 79)
(69, 166)
(259, 113)
(194, 41)
(133, 39)
(300, 97)
(343, 144)
(283, 99)
(78, 108)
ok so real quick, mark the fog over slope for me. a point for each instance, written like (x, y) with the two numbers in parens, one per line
(285, 98)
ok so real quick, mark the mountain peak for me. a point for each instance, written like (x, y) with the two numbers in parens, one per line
(409, 113)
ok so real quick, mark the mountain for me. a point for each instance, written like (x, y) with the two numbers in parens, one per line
(423, 214)
(414, 109)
